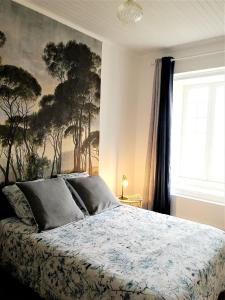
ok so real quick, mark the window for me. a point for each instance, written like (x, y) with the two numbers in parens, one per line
(197, 156)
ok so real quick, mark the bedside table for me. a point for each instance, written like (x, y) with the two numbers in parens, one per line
(133, 200)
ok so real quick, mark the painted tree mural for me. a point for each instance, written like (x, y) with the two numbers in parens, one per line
(77, 95)
(36, 127)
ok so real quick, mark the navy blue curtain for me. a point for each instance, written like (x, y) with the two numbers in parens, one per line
(161, 199)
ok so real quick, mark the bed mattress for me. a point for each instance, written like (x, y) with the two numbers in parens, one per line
(122, 253)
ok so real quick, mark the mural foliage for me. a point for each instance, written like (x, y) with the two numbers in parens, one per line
(42, 134)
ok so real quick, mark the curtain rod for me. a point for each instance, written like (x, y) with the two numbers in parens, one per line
(199, 55)
(196, 56)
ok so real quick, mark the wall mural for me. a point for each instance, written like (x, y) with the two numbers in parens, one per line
(49, 96)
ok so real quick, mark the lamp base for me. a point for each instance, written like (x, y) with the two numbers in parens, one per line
(123, 198)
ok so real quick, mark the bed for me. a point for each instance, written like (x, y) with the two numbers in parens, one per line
(121, 253)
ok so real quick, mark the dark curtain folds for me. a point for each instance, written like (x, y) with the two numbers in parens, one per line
(161, 198)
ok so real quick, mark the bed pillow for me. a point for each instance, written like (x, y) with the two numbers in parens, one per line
(51, 202)
(95, 194)
(77, 199)
(75, 195)
(19, 203)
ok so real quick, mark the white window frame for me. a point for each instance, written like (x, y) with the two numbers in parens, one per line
(183, 186)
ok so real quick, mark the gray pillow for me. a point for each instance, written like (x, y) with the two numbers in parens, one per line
(95, 194)
(77, 198)
(75, 195)
(19, 203)
(51, 203)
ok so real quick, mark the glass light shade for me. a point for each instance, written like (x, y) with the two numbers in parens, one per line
(129, 12)
(124, 181)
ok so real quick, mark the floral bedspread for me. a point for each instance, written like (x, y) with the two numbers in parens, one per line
(123, 253)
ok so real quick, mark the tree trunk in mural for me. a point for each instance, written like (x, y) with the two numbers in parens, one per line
(59, 168)
(89, 144)
(53, 165)
(19, 163)
(3, 170)
(13, 169)
(85, 150)
(80, 137)
(8, 163)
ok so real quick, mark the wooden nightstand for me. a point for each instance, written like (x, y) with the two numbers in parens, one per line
(133, 200)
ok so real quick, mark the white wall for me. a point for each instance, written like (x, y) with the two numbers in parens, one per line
(198, 63)
(118, 115)
(192, 209)
(200, 211)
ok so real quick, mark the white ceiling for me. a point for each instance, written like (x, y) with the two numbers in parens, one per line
(166, 23)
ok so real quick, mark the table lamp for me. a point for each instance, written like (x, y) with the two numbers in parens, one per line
(124, 185)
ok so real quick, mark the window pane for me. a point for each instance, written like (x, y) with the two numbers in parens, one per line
(194, 133)
(216, 168)
(198, 134)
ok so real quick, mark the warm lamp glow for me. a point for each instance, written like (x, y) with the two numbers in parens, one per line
(124, 181)
(124, 185)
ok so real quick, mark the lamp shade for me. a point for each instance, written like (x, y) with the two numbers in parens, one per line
(124, 181)
(129, 12)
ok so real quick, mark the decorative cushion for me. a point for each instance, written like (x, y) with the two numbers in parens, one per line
(72, 175)
(6, 210)
(51, 202)
(75, 195)
(19, 203)
(95, 194)
(77, 199)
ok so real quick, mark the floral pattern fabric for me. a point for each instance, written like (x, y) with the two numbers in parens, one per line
(19, 203)
(122, 253)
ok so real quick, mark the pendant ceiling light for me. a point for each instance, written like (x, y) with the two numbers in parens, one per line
(129, 12)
